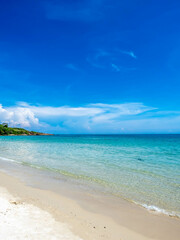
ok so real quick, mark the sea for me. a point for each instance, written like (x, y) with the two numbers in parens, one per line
(144, 169)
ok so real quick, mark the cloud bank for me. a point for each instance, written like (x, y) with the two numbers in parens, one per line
(18, 116)
(92, 118)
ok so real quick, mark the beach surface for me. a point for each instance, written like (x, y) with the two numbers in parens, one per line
(40, 211)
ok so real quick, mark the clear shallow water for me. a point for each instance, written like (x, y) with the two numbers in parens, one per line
(141, 168)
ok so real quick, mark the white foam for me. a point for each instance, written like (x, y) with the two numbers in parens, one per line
(19, 221)
(8, 159)
(159, 210)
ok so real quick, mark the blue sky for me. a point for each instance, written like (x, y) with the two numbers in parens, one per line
(92, 66)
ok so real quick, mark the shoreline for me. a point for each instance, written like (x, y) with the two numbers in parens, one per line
(91, 186)
(89, 215)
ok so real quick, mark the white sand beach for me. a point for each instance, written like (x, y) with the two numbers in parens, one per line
(20, 220)
(32, 213)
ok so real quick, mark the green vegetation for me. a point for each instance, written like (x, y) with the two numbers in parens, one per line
(5, 130)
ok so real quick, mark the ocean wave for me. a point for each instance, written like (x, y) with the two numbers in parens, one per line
(156, 209)
(8, 159)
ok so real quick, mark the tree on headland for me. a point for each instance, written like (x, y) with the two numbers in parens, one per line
(5, 130)
(5, 125)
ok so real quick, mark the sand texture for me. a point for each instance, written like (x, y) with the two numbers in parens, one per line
(32, 213)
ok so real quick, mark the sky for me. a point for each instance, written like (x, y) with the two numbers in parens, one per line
(92, 66)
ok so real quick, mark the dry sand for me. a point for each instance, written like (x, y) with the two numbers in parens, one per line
(20, 220)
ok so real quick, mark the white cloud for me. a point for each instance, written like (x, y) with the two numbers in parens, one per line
(92, 118)
(65, 111)
(110, 60)
(117, 111)
(18, 116)
(90, 110)
(26, 115)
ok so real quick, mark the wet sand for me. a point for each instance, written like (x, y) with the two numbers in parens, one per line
(74, 213)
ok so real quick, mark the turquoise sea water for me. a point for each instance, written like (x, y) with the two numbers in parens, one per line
(142, 168)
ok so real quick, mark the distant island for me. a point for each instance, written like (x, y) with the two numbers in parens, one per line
(8, 131)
